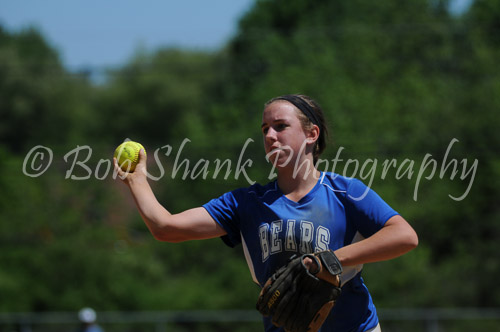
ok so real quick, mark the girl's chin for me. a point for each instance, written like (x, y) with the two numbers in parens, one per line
(280, 160)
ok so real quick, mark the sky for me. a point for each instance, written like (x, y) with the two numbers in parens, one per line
(97, 34)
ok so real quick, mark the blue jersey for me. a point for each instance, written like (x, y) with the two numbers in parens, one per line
(336, 212)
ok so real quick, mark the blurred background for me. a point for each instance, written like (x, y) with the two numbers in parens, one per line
(411, 92)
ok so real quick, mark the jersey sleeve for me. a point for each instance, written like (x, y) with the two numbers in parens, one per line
(367, 209)
(224, 210)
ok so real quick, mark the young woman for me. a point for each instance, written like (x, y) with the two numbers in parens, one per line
(304, 210)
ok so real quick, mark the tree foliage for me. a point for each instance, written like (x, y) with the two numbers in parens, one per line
(398, 80)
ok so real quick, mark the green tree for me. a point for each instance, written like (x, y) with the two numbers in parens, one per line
(39, 100)
(397, 80)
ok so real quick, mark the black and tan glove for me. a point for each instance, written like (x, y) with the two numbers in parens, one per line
(298, 299)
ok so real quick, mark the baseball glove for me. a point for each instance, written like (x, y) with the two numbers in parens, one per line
(299, 300)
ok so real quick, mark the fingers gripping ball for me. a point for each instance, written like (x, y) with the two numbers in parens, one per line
(127, 155)
(299, 299)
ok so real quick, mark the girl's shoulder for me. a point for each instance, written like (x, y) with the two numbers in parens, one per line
(337, 182)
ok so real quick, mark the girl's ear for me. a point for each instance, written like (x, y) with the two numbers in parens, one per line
(312, 134)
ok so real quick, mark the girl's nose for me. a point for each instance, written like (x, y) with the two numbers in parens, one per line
(271, 134)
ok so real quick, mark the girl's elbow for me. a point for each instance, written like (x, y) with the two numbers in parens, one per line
(415, 241)
(407, 234)
(164, 230)
(168, 234)
(158, 235)
(169, 237)
(411, 240)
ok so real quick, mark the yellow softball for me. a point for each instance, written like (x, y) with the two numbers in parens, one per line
(127, 155)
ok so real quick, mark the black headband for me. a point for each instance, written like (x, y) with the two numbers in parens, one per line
(303, 106)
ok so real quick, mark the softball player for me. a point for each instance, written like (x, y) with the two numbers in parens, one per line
(304, 210)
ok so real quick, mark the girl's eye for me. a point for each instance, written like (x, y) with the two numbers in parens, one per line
(276, 127)
(281, 126)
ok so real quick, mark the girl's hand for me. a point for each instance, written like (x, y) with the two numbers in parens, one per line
(139, 174)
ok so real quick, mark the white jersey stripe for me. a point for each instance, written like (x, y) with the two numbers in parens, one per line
(349, 272)
(249, 260)
(329, 187)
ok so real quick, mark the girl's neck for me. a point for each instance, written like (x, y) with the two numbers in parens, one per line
(295, 184)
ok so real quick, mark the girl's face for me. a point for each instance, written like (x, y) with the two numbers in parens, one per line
(285, 139)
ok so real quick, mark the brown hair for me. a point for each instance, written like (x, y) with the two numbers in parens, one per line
(310, 113)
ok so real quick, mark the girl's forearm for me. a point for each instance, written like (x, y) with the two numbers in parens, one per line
(396, 238)
(151, 211)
